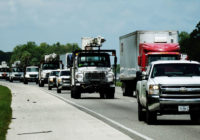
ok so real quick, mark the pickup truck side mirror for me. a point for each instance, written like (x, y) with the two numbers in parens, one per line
(144, 75)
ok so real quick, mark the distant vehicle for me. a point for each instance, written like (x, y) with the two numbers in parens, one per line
(16, 72)
(91, 70)
(50, 63)
(52, 79)
(63, 80)
(31, 74)
(139, 49)
(66, 60)
(4, 70)
(169, 87)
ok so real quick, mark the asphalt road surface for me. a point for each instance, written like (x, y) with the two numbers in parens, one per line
(123, 110)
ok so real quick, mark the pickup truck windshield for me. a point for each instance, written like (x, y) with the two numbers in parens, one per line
(32, 69)
(4, 69)
(65, 73)
(180, 70)
(152, 58)
(54, 73)
(17, 70)
(94, 60)
(50, 66)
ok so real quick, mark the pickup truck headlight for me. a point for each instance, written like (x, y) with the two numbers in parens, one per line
(51, 79)
(153, 89)
(59, 80)
(79, 77)
(110, 77)
(27, 76)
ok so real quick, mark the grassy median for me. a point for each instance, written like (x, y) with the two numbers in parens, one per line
(5, 111)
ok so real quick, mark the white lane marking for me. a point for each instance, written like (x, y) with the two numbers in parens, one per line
(102, 116)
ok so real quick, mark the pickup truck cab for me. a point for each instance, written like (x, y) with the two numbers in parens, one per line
(52, 79)
(169, 87)
(63, 80)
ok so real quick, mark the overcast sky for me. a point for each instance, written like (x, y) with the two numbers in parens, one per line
(66, 21)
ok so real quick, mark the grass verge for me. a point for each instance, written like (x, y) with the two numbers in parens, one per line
(118, 84)
(5, 111)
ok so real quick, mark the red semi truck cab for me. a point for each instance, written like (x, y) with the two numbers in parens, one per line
(149, 52)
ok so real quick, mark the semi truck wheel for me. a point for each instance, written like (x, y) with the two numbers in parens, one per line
(126, 89)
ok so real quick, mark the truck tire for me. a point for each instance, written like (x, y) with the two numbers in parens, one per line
(41, 83)
(75, 93)
(195, 117)
(49, 87)
(151, 117)
(110, 94)
(141, 114)
(25, 81)
(11, 80)
(126, 89)
(58, 90)
(36, 82)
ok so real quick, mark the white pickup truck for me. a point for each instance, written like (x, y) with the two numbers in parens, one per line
(169, 87)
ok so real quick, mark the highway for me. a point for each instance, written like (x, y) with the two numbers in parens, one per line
(123, 111)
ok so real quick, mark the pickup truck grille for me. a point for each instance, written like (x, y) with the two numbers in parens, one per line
(33, 75)
(18, 75)
(95, 76)
(66, 80)
(180, 91)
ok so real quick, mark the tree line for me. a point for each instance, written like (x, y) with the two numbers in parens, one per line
(31, 53)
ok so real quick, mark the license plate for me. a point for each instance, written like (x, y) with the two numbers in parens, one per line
(185, 108)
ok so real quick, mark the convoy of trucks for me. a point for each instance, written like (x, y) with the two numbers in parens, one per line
(138, 49)
(151, 68)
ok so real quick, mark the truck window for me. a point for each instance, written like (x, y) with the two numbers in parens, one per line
(95, 60)
(17, 70)
(176, 70)
(50, 66)
(152, 58)
(65, 73)
(32, 70)
(54, 73)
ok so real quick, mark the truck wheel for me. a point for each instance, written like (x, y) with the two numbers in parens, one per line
(49, 87)
(76, 93)
(151, 117)
(110, 94)
(102, 95)
(127, 91)
(36, 82)
(41, 83)
(141, 114)
(25, 81)
(11, 80)
(195, 117)
(58, 90)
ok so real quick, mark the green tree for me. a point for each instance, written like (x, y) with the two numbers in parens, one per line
(184, 41)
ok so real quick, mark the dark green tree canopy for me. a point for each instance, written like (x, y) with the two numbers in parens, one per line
(32, 54)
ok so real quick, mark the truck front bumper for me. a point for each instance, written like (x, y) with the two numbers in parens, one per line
(170, 105)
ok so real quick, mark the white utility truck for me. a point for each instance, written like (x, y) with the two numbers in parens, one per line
(51, 62)
(91, 69)
(4, 70)
(138, 49)
(31, 74)
(16, 72)
(169, 87)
